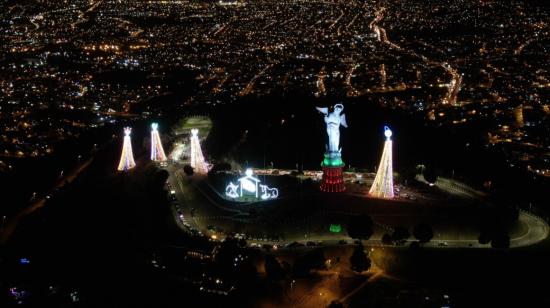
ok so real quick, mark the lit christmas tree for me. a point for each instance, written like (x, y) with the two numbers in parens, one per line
(382, 187)
(197, 159)
(127, 157)
(157, 152)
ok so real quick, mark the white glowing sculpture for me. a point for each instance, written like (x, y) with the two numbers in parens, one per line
(333, 121)
(178, 151)
(231, 190)
(382, 187)
(157, 152)
(197, 159)
(249, 185)
(127, 157)
(269, 193)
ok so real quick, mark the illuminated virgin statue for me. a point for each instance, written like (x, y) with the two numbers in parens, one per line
(333, 121)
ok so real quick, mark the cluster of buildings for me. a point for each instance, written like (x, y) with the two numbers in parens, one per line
(498, 51)
(456, 62)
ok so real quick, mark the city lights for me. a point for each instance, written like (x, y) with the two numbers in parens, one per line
(252, 189)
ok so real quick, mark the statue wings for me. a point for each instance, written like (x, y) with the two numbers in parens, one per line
(343, 121)
(323, 110)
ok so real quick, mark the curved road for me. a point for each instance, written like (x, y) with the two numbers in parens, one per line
(536, 228)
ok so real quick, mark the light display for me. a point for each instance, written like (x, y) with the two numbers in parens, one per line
(269, 193)
(333, 120)
(157, 152)
(127, 157)
(232, 190)
(333, 178)
(249, 185)
(335, 228)
(382, 187)
(178, 151)
(197, 159)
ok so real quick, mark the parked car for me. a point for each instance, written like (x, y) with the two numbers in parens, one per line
(294, 244)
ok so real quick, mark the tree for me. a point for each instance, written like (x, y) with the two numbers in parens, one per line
(235, 262)
(359, 260)
(161, 176)
(400, 233)
(335, 304)
(273, 268)
(415, 245)
(484, 237)
(494, 225)
(501, 239)
(314, 259)
(430, 174)
(360, 227)
(387, 239)
(227, 251)
(513, 215)
(242, 243)
(287, 268)
(423, 232)
(188, 170)
(223, 166)
(409, 173)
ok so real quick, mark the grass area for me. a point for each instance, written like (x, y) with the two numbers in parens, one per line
(202, 123)
(308, 214)
(469, 274)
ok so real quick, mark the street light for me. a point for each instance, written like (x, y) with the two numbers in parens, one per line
(291, 285)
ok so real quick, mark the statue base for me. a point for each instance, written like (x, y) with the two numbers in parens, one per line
(333, 175)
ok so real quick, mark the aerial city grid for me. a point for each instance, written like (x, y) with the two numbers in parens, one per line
(263, 153)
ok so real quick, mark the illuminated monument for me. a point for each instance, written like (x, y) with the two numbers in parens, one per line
(127, 157)
(197, 159)
(249, 186)
(333, 178)
(157, 152)
(382, 187)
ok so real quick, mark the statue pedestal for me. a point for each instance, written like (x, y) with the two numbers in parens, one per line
(333, 175)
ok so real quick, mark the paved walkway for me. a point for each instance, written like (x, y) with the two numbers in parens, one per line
(536, 229)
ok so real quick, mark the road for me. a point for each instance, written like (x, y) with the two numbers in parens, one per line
(453, 87)
(453, 187)
(193, 195)
(250, 86)
(11, 224)
(81, 16)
